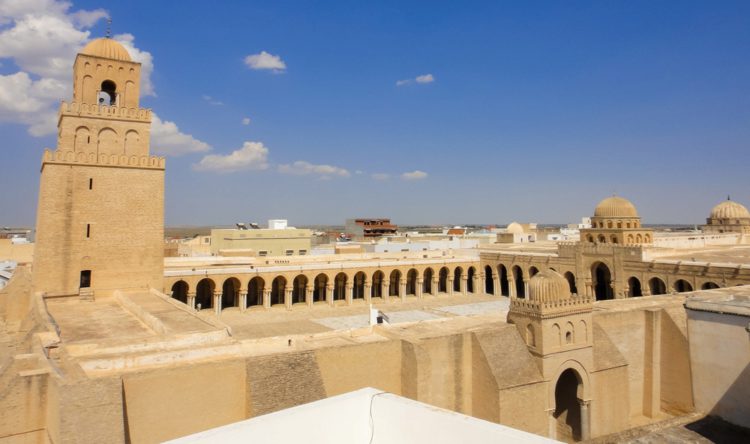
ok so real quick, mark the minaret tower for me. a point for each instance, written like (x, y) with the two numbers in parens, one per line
(100, 218)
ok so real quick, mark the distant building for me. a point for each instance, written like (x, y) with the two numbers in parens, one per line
(277, 240)
(369, 228)
(728, 217)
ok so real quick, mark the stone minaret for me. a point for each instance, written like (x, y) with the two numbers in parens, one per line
(100, 218)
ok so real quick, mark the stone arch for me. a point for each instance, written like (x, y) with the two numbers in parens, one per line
(630, 239)
(556, 334)
(657, 286)
(530, 335)
(567, 411)
(570, 337)
(518, 279)
(82, 139)
(87, 89)
(394, 280)
(299, 289)
(634, 287)
(601, 279)
(647, 238)
(638, 239)
(427, 281)
(107, 142)
(709, 285)
(230, 292)
(443, 280)
(682, 286)
(132, 142)
(411, 282)
(609, 224)
(613, 239)
(255, 291)
(339, 286)
(602, 239)
(359, 285)
(583, 331)
(180, 291)
(320, 285)
(590, 238)
(204, 294)
(377, 284)
(457, 274)
(533, 271)
(107, 93)
(470, 274)
(130, 95)
(502, 272)
(278, 286)
(489, 280)
(570, 277)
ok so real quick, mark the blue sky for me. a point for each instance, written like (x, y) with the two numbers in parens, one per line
(531, 111)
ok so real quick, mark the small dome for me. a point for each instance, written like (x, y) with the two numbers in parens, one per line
(615, 206)
(548, 286)
(515, 228)
(108, 49)
(729, 210)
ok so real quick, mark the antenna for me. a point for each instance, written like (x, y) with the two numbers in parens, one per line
(728, 197)
(108, 33)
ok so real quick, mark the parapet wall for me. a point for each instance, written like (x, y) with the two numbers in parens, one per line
(86, 110)
(114, 160)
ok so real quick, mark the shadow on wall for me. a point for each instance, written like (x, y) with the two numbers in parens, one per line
(717, 430)
(734, 405)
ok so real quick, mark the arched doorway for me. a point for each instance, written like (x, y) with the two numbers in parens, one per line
(339, 287)
(503, 273)
(299, 285)
(570, 277)
(518, 278)
(634, 287)
(457, 279)
(230, 292)
(427, 283)
(359, 285)
(602, 280)
(377, 284)
(319, 289)
(489, 282)
(255, 291)
(411, 282)
(657, 286)
(277, 290)
(180, 291)
(204, 293)
(470, 279)
(682, 286)
(567, 406)
(394, 281)
(443, 280)
(709, 286)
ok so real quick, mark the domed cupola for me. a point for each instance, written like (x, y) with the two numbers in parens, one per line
(615, 206)
(616, 221)
(548, 286)
(108, 49)
(728, 217)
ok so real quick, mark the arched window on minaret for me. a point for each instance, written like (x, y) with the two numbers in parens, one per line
(108, 93)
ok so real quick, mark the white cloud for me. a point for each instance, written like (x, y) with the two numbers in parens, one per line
(422, 79)
(380, 176)
(414, 175)
(212, 101)
(144, 58)
(246, 121)
(252, 156)
(264, 60)
(167, 139)
(302, 167)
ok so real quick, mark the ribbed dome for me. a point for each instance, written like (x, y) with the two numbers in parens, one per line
(615, 206)
(548, 286)
(106, 48)
(729, 210)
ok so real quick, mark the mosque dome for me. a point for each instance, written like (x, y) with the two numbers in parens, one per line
(615, 206)
(730, 210)
(515, 228)
(108, 49)
(548, 286)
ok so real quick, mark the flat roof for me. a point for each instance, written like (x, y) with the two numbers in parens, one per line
(733, 300)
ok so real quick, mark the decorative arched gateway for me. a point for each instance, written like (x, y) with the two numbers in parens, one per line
(602, 281)
(489, 280)
(657, 286)
(230, 293)
(470, 273)
(570, 277)
(681, 286)
(518, 279)
(393, 283)
(319, 287)
(634, 287)
(427, 283)
(457, 279)
(568, 406)
(255, 291)
(339, 287)
(204, 294)
(277, 290)
(377, 284)
(359, 285)
(709, 286)
(411, 282)
(299, 287)
(180, 291)
(443, 280)
(504, 284)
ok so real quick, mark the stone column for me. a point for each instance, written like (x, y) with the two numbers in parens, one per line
(288, 289)
(243, 300)
(552, 424)
(526, 288)
(463, 286)
(496, 289)
(476, 282)
(585, 420)
(652, 364)
(329, 294)
(368, 292)
(646, 289)
(191, 300)
(449, 290)
(217, 302)
(385, 289)
(266, 297)
(402, 288)
(349, 294)
(309, 294)
(435, 286)
(420, 287)
(512, 288)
